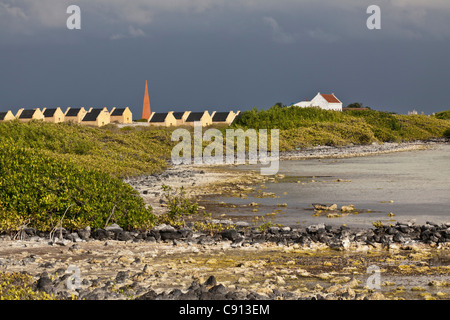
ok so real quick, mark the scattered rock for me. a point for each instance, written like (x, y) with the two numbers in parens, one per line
(230, 234)
(44, 283)
(122, 276)
(164, 227)
(114, 228)
(211, 281)
(349, 208)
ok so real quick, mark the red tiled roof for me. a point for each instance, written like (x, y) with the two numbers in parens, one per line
(330, 98)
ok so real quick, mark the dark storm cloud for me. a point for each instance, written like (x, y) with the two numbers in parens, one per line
(205, 54)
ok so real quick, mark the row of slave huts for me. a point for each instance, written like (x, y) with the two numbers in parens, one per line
(102, 116)
(92, 116)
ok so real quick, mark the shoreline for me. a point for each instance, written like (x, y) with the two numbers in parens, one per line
(206, 180)
(322, 152)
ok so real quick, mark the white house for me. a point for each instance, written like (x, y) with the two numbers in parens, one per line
(323, 101)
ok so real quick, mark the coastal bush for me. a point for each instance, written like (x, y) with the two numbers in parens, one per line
(306, 127)
(20, 286)
(178, 205)
(286, 117)
(447, 133)
(38, 190)
(444, 115)
(121, 153)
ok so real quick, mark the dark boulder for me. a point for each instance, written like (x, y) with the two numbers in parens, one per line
(122, 276)
(100, 234)
(391, 230)
(85, 233)
(170, 235)
(123, 236)
(211, 281)
(44, 284)
(218, 289)
(399, 238)
(230, 234)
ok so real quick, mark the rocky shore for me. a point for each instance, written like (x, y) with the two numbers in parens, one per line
(359, 150)
(238, 262)
(242, 233)
(196, 181)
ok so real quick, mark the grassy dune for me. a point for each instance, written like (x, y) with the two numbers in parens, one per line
(305, 127)
(119, 152)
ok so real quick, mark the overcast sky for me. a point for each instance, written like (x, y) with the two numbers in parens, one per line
(224, 54)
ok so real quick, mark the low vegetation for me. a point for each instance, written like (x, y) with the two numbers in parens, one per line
(52, 173)
(119, 152)
(447, 134)
(306, 127)
(19, 286)
(444, 115)
(39, 191)
(178, 205)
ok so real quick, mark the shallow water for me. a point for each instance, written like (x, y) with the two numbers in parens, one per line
(411, 185)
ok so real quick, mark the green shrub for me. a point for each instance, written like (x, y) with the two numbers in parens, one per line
(447, 133)
(444, 115)
(40, 189)
(109, 149)
(179, 206)
(19, 286)
(305, 127)
(286, 117)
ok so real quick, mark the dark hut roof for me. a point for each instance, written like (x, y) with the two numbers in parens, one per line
(118, 112)
(195, 116)
(2, 115)
(220, 116)
(93, 115)
(73, 112)
(159, 117)
(178, 115)
(27, 114)
(48, 113)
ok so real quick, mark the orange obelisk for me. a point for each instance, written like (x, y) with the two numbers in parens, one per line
(146, 106)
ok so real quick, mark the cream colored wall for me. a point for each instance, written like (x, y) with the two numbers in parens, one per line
(230, 117)
(126, 117)
(76, 119)
(103, 118)
(170, 120)
(36, 116)
(8, 117)
(58, 116)
(206, 119)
